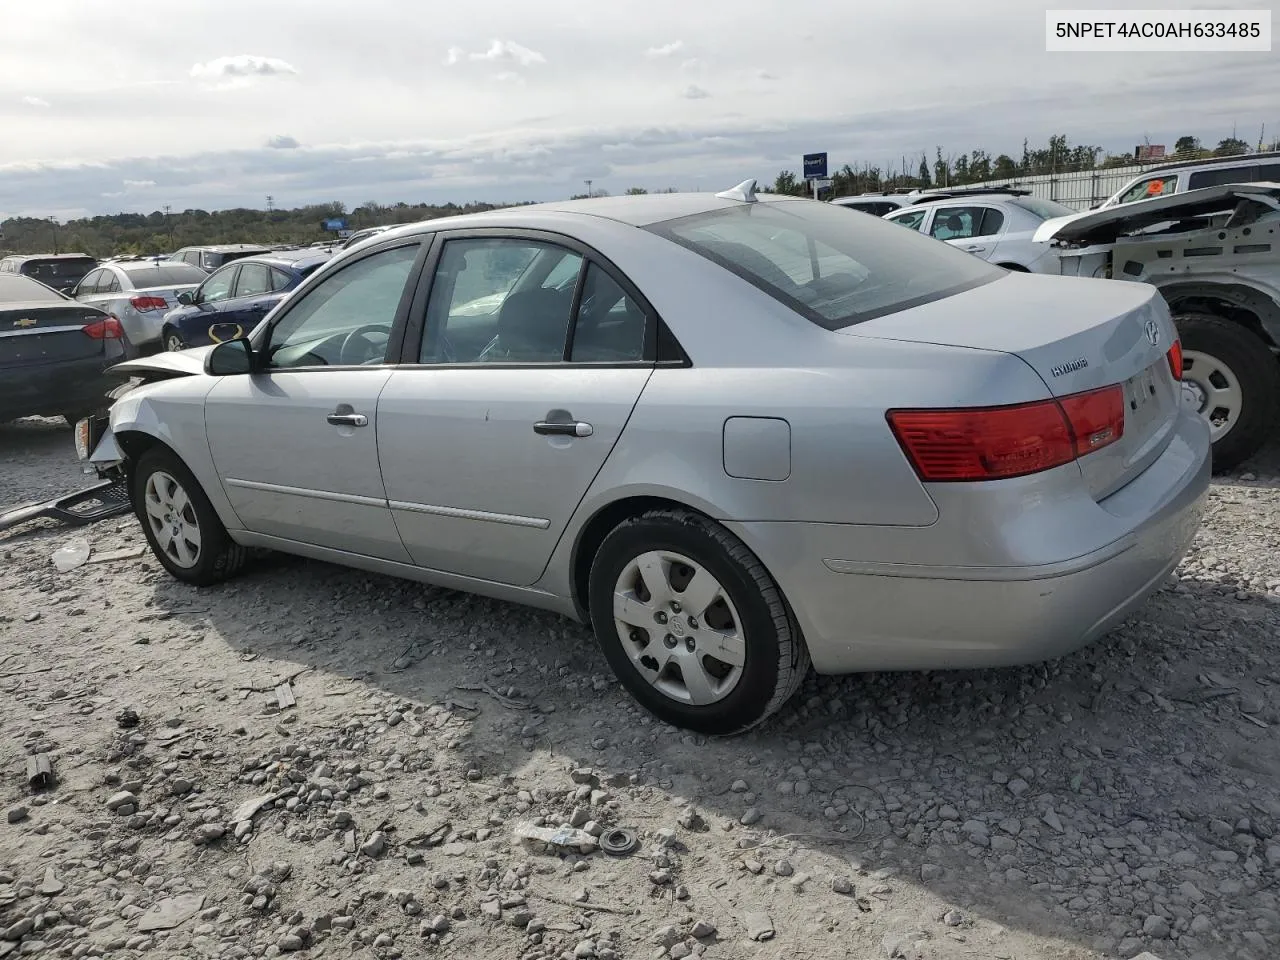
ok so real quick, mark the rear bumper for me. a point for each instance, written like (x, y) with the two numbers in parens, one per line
(142, 328)
(52, 389)
(860, 615)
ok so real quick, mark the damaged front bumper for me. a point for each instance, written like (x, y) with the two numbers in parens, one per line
(96, 444)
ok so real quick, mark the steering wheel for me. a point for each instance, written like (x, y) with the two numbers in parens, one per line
(358, 335)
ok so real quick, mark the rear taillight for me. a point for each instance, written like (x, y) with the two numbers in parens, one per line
(1175, 359)
(108, 328)
(143, 304)
(993, 443)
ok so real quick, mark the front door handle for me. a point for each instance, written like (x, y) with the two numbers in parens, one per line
(558, 428)
(976, 247)
(348, 419)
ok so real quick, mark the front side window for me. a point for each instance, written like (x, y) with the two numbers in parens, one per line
(500, 300)
(254, 280)
(1151, 187)
(853, 269)
(345, 319)
(910, 220)
(218, 286)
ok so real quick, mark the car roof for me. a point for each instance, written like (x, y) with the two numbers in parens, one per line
(1242, 159)
(225, 247)
(295, 259)
(50, 256)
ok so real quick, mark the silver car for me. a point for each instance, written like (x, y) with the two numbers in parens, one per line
(728, 458)
(138, 293)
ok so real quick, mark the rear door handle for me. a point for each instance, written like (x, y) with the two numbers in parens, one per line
(571, 428)
(348, 419)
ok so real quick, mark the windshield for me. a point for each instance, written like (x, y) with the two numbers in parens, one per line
(1044, 209)
(832, 268)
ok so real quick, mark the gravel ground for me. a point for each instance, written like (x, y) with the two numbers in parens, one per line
(1120, 800)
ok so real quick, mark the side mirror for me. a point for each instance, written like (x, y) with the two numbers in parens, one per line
(229, 358)
(186, 298)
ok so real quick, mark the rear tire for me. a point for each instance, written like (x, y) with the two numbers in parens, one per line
(653, 562)
(179, 522)
(1233, 379)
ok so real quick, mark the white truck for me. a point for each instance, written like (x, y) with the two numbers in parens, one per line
(1214, 254)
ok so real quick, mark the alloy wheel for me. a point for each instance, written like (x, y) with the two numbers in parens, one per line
(679, 628)
(173, 343)
(173, 520)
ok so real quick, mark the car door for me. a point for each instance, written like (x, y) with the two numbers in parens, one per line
(295, 443)
(974, 228)
(523, 385)
(247, 302)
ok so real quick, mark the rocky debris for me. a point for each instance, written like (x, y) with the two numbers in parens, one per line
(759, 926)
(17, 814)
(122, 804)
(171, 912)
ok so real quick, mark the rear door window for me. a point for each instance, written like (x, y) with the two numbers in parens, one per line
(831, 268)
(1245, 173)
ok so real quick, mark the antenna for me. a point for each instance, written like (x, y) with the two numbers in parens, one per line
(745, 191)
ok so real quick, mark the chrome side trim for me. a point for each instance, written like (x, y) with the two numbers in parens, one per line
(514, 520)
(305, 492)
(1046, 571)
(31, 331)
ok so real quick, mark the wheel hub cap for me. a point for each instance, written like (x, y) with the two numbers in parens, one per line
(172, 519)
(1211, 388)
(694, 655)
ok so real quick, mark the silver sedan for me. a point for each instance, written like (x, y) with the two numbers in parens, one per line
(138, 293)
(736, 434)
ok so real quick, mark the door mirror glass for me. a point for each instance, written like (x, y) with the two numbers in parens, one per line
(185, 298)
(229, 358)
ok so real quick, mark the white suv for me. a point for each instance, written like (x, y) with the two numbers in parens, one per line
(1181, 177)
(996, 225)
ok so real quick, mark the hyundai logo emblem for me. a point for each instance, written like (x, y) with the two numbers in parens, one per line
(1152, 330)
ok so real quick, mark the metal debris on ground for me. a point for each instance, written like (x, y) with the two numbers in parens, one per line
(110, 498)
(619, 841)
(125, 553)
(557, 837)
(284, 696)
(39, 773)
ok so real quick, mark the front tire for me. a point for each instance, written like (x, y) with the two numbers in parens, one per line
(1232, 379)
(173, 342)
(692, 623)
(179, 522)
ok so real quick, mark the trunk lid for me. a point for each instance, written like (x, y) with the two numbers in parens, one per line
(1077, 335)
(46, 332)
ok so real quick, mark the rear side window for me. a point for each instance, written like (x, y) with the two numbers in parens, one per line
(831, 268)
(1216, 178)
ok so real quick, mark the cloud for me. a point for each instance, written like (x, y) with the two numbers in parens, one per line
(694, 92)
(454, 55)
(666, 50)
(138, 184)
(239, 71)
(508, 76)
(283, 141)
(508, 51)
(766, 75)
(35, 102)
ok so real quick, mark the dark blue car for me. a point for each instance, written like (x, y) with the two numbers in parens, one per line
(234, 298)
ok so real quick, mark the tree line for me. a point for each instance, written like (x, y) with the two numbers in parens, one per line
(164, 231)
(1059, 155)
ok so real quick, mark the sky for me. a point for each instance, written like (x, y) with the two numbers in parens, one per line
(129, 105)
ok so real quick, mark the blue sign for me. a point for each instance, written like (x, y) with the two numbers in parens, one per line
(815, 166)
(340, 223)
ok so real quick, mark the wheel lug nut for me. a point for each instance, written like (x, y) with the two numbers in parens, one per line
(690, 644)
(660, 617)
(669, 641)
(675, 606)
(693, 623)
(637, 636)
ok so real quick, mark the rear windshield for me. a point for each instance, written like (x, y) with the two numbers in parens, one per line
(832, 268)
(1044, 209)
(163, 275)
(19, 289)
(61, 270)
